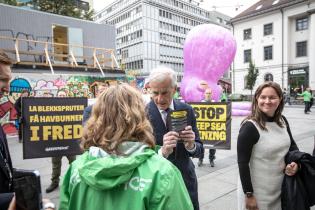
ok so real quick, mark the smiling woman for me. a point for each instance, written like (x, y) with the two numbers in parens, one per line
(263, 142)
(268, 101)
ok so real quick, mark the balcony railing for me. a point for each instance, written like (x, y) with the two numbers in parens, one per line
(41, 53)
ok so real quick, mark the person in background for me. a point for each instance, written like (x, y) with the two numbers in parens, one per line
(61, 93)
(286, 96)
(87, 111)
(18, 108)
(312, 99)
(223, 96)
(57, 162)
(120, 168)
(262, 144)
(176, 95)
(208, 98)
(162, 81)
(145, 95)
(307, 100)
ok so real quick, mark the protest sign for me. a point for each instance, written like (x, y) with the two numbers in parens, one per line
(214, 124)
(52, 126)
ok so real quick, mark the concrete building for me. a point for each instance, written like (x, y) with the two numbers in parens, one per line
(152, 32)
(279, 37)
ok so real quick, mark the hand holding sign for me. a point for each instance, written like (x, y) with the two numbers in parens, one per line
(188, 136)
(177, 121)
(169, 143)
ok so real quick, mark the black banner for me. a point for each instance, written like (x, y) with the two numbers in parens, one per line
(52, 126)
(214, 124)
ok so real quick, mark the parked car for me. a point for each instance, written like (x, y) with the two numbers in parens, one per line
(236, 97)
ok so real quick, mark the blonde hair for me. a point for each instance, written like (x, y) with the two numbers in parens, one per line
(117, 116)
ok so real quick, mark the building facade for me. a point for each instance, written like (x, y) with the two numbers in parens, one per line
(278, 36)
(152, 32)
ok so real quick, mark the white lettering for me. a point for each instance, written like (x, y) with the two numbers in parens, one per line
(137, 184)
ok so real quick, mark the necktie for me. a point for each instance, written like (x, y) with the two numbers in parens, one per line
(165, 115)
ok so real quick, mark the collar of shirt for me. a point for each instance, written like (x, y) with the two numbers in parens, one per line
(171, 107)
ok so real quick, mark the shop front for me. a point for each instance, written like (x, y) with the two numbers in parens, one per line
(298, 80)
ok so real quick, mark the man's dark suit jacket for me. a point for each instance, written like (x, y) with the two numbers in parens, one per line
(182, 160)
(86, 114)
(5, 190)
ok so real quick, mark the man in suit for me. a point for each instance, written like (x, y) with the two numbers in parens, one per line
(162, 82)
(6, 189)
(6, 169)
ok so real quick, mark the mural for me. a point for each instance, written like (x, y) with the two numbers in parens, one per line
(55, 85)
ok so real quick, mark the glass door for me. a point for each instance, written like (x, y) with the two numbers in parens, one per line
(75, 37)
(60, 38)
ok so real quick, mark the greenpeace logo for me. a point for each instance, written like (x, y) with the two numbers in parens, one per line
(50, 149)
(137, 183)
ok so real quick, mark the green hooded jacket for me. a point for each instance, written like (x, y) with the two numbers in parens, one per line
(306, 96)
(139, 180)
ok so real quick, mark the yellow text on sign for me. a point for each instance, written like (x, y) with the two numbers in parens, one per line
(212, 135)
(207, 112)
(56, 132)
(214, 126)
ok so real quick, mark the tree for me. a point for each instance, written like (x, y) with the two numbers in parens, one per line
(251, 77)
(10, 2)
(63, 7)
(88, 15)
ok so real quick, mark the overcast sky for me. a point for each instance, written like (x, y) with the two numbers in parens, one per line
(228, 7)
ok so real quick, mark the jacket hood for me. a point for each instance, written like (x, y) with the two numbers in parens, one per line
(104, 171)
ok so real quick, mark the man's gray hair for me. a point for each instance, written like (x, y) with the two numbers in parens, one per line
(160, 73)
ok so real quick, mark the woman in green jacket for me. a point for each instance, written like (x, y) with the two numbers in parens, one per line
(119, 168)
(307, 100)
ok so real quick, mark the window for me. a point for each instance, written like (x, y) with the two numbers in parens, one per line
(302, 24)
(124, 53)
(268, 29)
(219, 20)
(268, 53)
(301, 49)
(247, 55)
(247, 34)
(268, 77)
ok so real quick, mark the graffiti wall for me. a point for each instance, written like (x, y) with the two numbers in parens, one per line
(40, 84)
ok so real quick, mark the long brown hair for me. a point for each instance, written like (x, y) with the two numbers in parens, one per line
(117, 116)
(257, 115)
